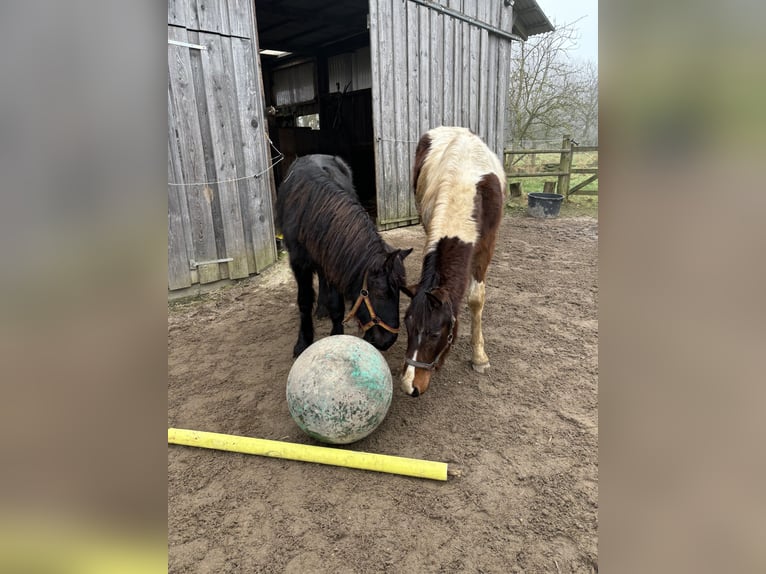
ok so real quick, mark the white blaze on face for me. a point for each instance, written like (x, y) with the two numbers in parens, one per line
(409, 376)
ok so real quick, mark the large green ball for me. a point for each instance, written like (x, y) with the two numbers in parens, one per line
(339, 389)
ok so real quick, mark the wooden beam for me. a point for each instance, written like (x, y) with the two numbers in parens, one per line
(582, 184)
(565, 164)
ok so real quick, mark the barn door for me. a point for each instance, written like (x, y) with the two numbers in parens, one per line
(220, 222)
(431, 68)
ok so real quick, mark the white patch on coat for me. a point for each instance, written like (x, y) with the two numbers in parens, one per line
(446, 186)
(409, 376)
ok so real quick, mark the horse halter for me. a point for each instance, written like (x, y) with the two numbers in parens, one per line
(432, 365)
(364, 296)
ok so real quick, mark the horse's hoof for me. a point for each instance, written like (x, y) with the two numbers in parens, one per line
(299, 348)
(480, 367)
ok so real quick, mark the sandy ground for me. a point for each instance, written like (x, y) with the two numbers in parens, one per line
(525, 435)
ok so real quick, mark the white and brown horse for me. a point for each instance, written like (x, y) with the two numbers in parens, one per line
(460, 191)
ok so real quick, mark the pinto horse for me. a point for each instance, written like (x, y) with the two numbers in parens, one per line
(327, 231)
(459, 192)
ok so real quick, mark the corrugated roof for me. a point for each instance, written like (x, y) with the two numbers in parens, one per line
(529, 19)
(301, 26)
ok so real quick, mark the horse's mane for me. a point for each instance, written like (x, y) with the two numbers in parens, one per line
(330, 223)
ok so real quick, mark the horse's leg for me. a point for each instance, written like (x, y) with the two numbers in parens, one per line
(491, 197)
(323, 298)
(476, 297)
(304, 276)
(336, 307)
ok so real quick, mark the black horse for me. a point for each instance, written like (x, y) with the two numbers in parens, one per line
(327, 231)
(339, 171)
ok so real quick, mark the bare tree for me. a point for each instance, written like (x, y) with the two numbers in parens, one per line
(549, 92)
(585, 113)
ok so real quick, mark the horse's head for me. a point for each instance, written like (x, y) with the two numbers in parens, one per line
(377, 307)
(431, 326)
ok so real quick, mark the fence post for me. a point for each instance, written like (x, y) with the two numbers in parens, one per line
(565, 165)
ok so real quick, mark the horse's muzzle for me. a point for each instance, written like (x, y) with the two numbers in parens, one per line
(380, 338)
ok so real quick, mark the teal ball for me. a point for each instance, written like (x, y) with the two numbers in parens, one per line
(339, 389)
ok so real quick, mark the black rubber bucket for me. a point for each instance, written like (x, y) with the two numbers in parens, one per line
(544, 205)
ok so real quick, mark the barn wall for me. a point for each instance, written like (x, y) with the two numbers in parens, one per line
(216, 133)
(430, 69)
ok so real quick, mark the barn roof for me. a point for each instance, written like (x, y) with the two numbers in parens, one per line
(301, 26)
(529, 19)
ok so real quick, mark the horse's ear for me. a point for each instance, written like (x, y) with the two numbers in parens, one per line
(409, 290)
(394, 253)
(438, 296)
(403, 253)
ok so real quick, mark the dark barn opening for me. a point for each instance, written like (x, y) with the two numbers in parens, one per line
(317, 80)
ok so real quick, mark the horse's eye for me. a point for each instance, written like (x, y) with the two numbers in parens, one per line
(433, 336)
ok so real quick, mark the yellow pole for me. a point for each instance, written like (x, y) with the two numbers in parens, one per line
(310, 453)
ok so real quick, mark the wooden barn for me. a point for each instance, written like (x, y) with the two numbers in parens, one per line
(253, 84)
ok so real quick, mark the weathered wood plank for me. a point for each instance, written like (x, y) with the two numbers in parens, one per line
(493, 101)
(388, 109)
(213, 16)
(401, 99)
(377, 107)
(448, 111)
(424, 87)
(178, 13)
(436, 99)
(192, 14)
(579, 187)
(532, 151)
(179, 275)
(255, 193)
(218, 75)
(474, 66)
(186, 122)
(503, 78)
(211, 191)
(465, 64)
(456, 65)
(484, 72)
(515, 174)
(247, 164)
(266, 253)
(565, 163)
(178, 177)
(413, 85)
(240, 18)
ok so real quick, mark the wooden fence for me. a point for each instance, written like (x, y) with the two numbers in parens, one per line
(563, 170)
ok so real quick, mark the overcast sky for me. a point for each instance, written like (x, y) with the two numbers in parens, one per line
(565, 11)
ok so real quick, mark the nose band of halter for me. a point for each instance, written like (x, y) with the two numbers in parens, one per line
(432, 365)
(364, 296)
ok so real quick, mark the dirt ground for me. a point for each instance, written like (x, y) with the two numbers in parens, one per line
(525, 435)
